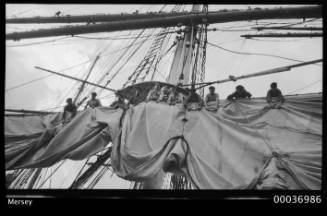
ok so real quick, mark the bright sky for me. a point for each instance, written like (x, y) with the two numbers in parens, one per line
(66, 52)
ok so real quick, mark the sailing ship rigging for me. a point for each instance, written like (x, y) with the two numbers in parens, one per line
(184, 36)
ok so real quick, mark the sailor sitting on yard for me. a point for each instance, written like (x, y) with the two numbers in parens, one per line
(211, 100)
(153, 93)
(174, 97)
(164, 94)
(93, 102)
(275, 97)
(119, 103)
(193, 100)
(70, 109)
(239, 93)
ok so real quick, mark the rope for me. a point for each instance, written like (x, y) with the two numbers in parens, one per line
(115, 74)
(301, 22)
(121, 56)
(268, 144)
(52, 173)
(274, 154)
(31, 81)
(258, 54)
(37, 43)
(305, 86)
(151, 55)
(122, 38)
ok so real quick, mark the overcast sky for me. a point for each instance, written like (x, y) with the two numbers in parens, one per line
(66, 52)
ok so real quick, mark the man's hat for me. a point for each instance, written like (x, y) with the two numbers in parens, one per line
(93, 93)
(211, 87)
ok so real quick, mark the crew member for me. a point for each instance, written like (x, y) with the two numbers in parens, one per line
(164, 94)
(154, 93)
(93, 102)
(239, 93)
(70, 109)
(193, 101)
(275, 98)
(174, 97)
(119, 103)
(211, 100)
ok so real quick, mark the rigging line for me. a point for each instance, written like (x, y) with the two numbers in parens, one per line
(61, 98)
(18, 178)
(159, 60)
(99, 175)
(108, 96)
(259, 54)
(151, 58)
(38, 179)
(25, 11)
(24, 178)
(52, 173)
(121, 48)
(290, 171)
(127, 47)
(41, 42)
(27, 177)
(82, 86)
(80, 171)
(110, 43)
(129, 57)
(120, 59)
(260, 135)
(304, 87)
(115, 74)
(108, 38)
(23, 84)
(65, 69)
(107, 64)
(122, 38)
(63, 95)
(239, 63)
(50, 178)
(282, 40)
(233, 30)
(306, 21)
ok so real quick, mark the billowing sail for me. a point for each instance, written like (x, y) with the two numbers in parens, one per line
(243, 145)
(30, 143)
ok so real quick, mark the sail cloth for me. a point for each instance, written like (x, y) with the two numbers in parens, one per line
(243, 145)
(33, 142)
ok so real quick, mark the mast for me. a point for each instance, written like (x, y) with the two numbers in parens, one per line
(81, 88)
(180, 72)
